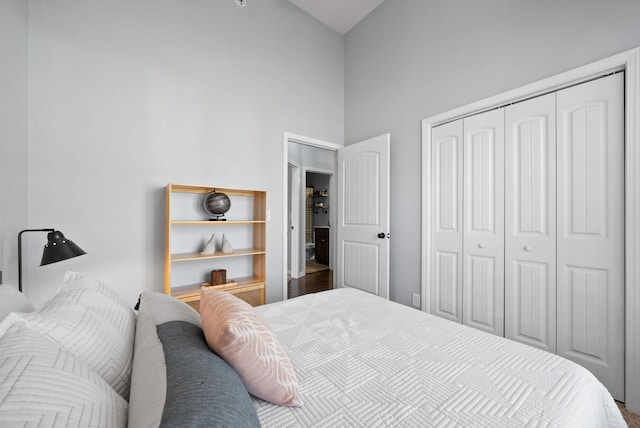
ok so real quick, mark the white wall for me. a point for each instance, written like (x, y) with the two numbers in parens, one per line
(13, 133)
(126, 96)
(412, 59)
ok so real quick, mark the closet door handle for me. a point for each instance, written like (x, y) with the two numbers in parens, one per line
(528, 248)
(482, 245)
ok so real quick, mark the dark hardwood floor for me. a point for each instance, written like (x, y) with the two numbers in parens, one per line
(311, 283)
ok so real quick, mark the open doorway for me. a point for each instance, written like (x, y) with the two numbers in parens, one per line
(310, 249)
(316, 265)
(361, 173)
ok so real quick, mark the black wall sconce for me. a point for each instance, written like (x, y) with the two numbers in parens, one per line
(58, 248)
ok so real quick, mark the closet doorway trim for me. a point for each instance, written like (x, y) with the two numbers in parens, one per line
(629, 61)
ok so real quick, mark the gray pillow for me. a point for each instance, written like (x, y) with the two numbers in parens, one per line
(202, 389)
(148, 377)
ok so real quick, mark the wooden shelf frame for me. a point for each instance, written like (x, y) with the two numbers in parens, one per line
(256, 280)
(194, 289)
(214, 223)
(187, 257)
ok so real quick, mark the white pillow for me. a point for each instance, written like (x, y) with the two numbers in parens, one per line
(11, 300)
(44, 386)
(91, 322)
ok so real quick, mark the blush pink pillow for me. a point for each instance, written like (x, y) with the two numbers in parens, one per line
(236, 332)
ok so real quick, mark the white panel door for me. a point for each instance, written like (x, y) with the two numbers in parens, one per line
(530, 222)
(446, 231)
(591, 228)
(363, 216)
(483, 239)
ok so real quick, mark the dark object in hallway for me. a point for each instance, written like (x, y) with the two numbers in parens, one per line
(322, 245)
(311, 283)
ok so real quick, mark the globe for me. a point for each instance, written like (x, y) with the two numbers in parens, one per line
(216, 204)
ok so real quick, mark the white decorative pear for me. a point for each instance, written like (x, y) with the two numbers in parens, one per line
(210, 247)
(226, 245)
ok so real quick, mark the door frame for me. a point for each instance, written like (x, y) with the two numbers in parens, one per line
(294, 269)
(629, 61)
(307, 141)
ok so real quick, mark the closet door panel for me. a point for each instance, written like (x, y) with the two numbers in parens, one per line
(591, 228)
(483, 240)
(530, 222)
(446, 274)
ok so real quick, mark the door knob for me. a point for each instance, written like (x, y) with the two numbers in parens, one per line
(381, 235)
(528, 248)
(482, 245)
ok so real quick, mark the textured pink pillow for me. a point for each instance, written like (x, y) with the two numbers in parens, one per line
(236, 332)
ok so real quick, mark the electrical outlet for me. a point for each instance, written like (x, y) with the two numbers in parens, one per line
(416, 300)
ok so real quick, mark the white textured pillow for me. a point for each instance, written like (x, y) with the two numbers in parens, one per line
(99, 298)
(91, 322)
(44, 386)
(11, 300)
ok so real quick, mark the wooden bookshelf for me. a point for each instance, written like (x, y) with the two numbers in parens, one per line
(183, 214)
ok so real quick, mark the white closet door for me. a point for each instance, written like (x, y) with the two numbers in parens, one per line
(483, 239)
(591, 228)
(446, 232)
(530, 222)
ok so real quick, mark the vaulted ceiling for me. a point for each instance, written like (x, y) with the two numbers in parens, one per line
(341, 15)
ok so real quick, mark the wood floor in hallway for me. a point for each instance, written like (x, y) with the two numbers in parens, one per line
(310, 283)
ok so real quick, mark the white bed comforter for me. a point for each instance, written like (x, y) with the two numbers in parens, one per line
(363, 361)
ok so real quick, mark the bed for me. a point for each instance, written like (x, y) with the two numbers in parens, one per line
(365, 361)
(85, 358)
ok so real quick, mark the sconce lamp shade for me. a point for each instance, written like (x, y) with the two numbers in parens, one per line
(59, 248)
